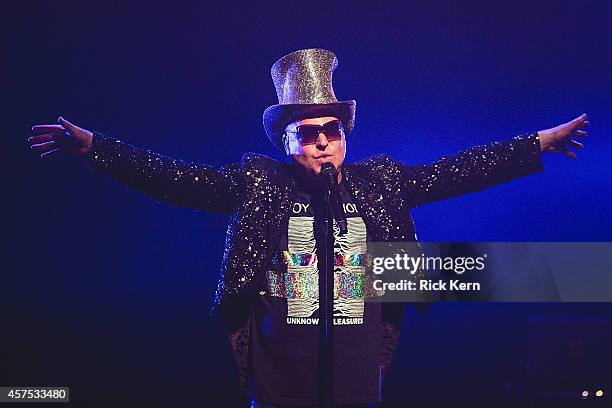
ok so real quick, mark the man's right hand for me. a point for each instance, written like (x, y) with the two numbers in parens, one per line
(65, 138)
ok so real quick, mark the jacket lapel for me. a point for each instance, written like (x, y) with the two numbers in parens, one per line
(369, 200)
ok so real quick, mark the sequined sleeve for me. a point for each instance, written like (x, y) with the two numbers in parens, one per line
(472, 170)
(165, 179)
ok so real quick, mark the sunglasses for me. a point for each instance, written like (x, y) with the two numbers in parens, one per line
(309, 134)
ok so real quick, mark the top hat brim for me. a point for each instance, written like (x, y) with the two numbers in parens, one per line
(277, 117)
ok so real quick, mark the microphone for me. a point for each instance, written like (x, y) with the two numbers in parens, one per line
(330, 175)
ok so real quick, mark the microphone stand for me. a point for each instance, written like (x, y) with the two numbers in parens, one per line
(326, 309)
(332, 206)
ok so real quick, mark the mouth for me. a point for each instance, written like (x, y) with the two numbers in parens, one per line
(323, 156)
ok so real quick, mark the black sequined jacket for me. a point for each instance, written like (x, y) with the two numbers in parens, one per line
(257, 194)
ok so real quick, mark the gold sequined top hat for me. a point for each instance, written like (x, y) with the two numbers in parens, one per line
(303, 82)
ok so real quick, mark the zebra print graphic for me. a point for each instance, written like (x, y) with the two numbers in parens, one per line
(300, 238)
(354, 241)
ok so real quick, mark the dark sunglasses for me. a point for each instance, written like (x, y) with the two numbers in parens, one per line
(308, 134)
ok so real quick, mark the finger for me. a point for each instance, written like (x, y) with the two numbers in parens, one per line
(42, 138)
(582, 118)
(569, 154)
(581, 133)
(576, 145)
(49, 153)
(66, 124)
(48, 129)
(579, 121)
(44, 147)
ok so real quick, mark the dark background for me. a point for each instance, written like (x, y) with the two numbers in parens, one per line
(108, 292)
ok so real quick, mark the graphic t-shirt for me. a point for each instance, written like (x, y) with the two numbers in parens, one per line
(284, 348)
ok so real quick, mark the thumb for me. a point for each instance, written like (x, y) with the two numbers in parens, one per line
(578, 121)
(66, 124)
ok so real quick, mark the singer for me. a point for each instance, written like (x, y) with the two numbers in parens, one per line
(268, 292)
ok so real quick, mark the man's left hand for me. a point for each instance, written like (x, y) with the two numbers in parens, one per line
(559, 139)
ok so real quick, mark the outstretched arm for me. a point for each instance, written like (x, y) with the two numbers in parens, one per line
(165, 179)
(485, 166)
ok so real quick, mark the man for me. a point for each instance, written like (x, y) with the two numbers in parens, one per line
(267, 292)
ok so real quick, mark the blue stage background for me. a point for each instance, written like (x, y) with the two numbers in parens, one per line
(109, 292)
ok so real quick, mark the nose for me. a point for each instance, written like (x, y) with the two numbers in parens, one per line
(322, 141)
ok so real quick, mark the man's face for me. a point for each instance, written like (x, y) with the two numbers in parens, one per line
(312, 156)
